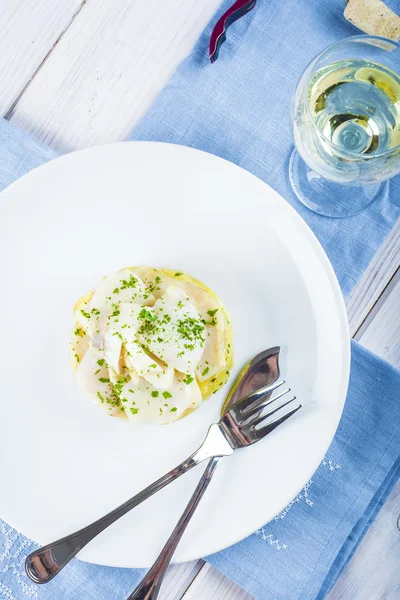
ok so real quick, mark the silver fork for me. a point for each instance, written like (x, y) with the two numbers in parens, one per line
(259, 378)
(247, 422)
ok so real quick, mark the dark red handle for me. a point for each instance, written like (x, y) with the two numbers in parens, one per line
(218, 36)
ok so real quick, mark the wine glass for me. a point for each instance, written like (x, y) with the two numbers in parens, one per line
(346, 126)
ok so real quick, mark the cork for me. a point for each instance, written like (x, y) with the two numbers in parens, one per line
(373, 17)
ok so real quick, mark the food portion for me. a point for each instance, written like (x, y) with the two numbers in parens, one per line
(149, 345)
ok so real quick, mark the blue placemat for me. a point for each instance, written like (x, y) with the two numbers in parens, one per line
(239, 108)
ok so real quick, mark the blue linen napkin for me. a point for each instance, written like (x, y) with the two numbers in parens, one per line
(239, 108)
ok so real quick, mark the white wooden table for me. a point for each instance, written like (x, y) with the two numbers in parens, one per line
(77, 73)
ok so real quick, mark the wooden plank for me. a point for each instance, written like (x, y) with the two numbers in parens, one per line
(380, 332)
(374, 281)
(211, 585)
(29, 31)
(373, 572)
(108, 68)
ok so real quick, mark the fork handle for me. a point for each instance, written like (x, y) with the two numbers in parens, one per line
(149, 588)
(46, 562)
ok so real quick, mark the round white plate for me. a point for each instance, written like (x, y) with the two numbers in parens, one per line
(64, 462)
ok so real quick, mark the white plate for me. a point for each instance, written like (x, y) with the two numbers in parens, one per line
(63, 462)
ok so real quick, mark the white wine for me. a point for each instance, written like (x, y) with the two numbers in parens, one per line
(346, 126)
(346, 121)
(356, 105)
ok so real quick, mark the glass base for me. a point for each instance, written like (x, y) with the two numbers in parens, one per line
(326, 197)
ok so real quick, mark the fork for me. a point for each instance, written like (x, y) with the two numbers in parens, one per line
(46, 562)
(244, 424)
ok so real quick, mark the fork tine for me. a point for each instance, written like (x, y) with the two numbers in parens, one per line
(250, 400)
(264, 403)
(271, 412)
(263, 431)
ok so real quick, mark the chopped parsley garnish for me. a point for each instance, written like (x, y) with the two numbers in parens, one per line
(204, 373)
(154, 394)
(146, 314)
(128, 284)
(77, 358)
(188, 379)
(212, 322)
(153, 286)
(118, 334)
(190, 329)
(153, 366)
(85, 314)
(79, 332)
(118, 385)
(212, 313)
(174, 409)
(115, 313)
(95, 311)
(116, 291)
(167, 395)
(101, 362)
(97, 372)
(114, 400)
(178, 274)
(104, 380)
(100, 396)
(134, 411)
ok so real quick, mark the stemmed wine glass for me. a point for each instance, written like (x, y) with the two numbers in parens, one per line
(346, 126)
